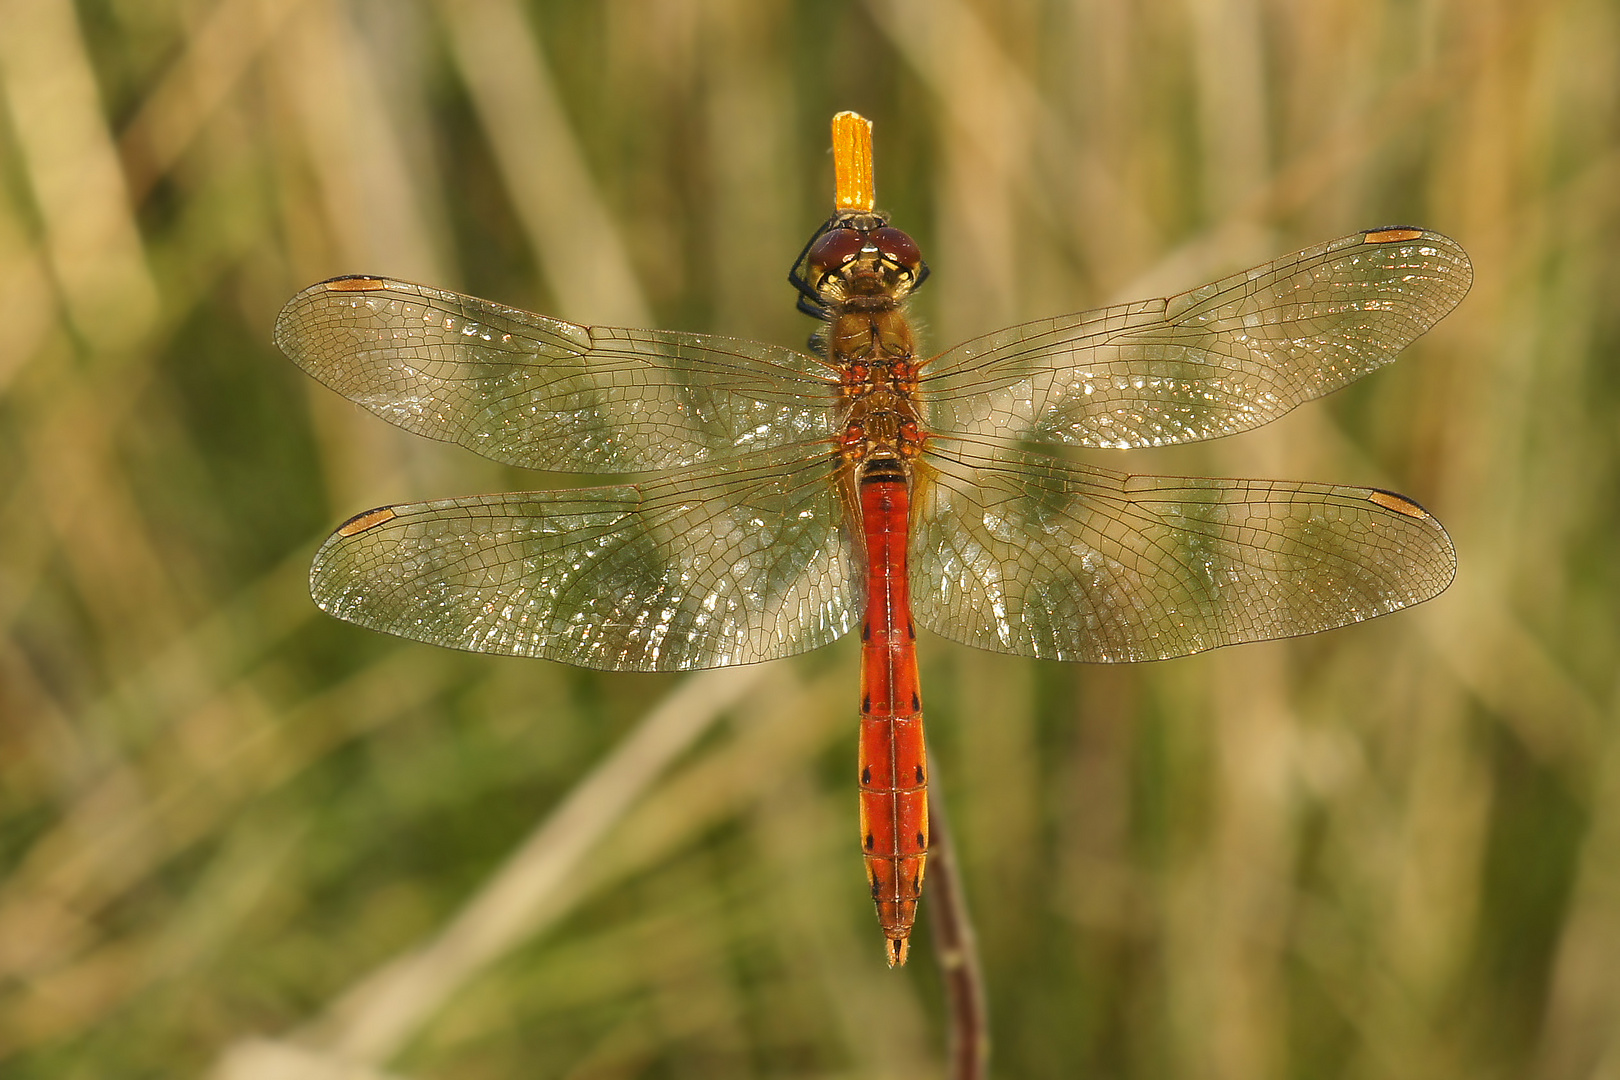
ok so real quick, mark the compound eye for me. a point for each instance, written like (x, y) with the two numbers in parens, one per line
(898, 248)
(835, 248)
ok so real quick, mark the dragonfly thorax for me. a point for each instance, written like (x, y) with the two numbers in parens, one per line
(875, 352)
(881, 425)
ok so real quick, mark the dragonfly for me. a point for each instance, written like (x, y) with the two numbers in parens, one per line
(768, 500)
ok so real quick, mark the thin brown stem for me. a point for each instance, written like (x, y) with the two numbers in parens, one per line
(951, 928)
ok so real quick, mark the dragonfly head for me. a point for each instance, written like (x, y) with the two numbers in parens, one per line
(856, 254)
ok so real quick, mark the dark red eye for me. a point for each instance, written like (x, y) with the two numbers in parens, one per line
(835, 248)
(897, 247)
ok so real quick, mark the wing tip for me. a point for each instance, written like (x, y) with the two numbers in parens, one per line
(1397, 503)
(1461, 270)
(287, 332)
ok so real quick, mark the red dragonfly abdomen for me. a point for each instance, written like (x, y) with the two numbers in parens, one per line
(893, 759)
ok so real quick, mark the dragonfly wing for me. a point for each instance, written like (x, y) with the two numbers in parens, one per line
(1223, 358)
(1029, 555)
(541, 393)
(702, 568)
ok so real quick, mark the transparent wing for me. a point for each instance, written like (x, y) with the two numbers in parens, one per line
(1029, 555)
(710, 567)
(1223, 358)
(545, 394)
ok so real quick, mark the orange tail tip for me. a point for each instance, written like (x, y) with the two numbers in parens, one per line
(896, 949)
(852, 162)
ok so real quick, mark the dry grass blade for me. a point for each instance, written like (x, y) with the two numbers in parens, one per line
(370, 1022)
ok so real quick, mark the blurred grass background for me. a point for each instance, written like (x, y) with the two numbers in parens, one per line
(1392, 850)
